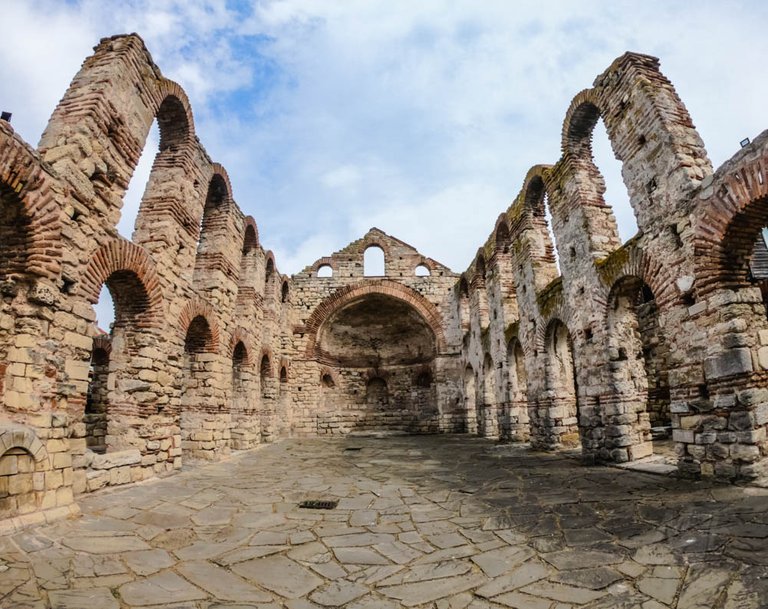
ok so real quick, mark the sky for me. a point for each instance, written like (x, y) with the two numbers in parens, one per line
(419, 117)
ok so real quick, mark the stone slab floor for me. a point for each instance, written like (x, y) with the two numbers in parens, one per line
(445, 522)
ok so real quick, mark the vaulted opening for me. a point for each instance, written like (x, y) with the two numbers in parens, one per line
(561, 383)
(116, 362)
(379, 339)
(373, 262)
(639, 364)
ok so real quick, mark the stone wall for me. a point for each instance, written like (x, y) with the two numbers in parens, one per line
(212, 349)
(666, 329)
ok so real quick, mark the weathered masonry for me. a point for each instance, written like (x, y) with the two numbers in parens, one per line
(212, 349)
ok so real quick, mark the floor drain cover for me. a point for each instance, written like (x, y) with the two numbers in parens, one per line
(318, 504)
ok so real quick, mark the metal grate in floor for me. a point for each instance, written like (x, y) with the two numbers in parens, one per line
(318, 504)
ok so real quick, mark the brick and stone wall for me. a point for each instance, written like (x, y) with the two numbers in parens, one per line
(214, 350)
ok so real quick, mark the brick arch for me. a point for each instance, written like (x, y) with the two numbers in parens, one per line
(174, 116)
(580, 119)
(285, 364)
(386, 287)
(197, 307)
(535, 188)
(270, 371)
(103, 342)
(121, 255)
(731, 212)
(248, 245)
(501, 234)
(557, 311)
(18, 436)
(269, 272)
(631, 261)
(325, 261)
(240, 335)
(23, 174)
(479, 267)
(215, 224)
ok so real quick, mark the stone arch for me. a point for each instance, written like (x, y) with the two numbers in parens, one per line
(469, 384)
(250, 235)
(480, 267)
(632, 261)
(284, 291)
(733, 209)
(270, 269)
(265, 363)
(638, 352)
(119, 113)
(214, 225)
(561, 383)
(195, 309)
(15, 436)
(327, 377)
(501, 233)
(386, 287)
(368, 261)
(174, 117)
(240, 335)
(27, 185)
(121, 256)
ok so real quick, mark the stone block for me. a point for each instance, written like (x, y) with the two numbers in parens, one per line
(131, 456)
(745, 453)
(728, 363)
(680, 435)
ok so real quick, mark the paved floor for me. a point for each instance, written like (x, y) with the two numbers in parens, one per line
(440, 522)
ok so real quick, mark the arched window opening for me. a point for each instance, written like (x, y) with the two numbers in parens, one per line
(14, 234)
(489, 380)
(518, 378)
(480, 269)
(640, 357)
(373, 262)
(376, 393)
(283, 374)
(502, 237)
(265, 372)
(138, 183)
(616, 195)
(250, 240)
(119, 330)
(325, 270)
(327, 381)
(97, 397)
(551, 247)
(470, 399)
(284, 292)
(239, 360)
(464, 310)
(422, 271)
(199, 336)
(561, 379)
(269, 271)
(213, 219)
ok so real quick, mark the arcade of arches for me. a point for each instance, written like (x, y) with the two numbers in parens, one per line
(557, 333)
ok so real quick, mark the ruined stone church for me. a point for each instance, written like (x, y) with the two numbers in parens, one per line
(656, 348)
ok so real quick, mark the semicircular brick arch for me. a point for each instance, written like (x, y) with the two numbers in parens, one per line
(122, 255)
(580, 119)
(197, 307)
(174, 115)
(557, 310)
(240, 335)
(22, 172)
(386, 287)
(737, 196)
(250, 234)
(632, 261)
